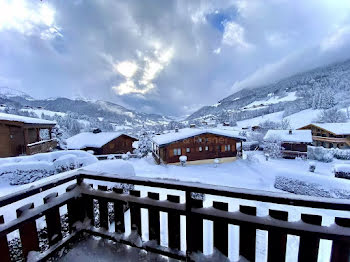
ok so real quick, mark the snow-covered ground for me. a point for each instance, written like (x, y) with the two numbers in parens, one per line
(255, 174)
(296, 120)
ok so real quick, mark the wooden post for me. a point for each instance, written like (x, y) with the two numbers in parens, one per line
(103, 208)
(119, 213)
(154, 220)
(53, 221)
(4, 248)
(26, 141)
(221, 230)
(341, 249)
(50, 133)
(174, 225)
(247, 235)
(308, 245)
(37, 134)
(194, 225)
(135, 214)
(75, 209)
(28, 232)
(277, 240)
(88, 203)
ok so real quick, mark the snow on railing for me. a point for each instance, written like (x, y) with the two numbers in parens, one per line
(81, 197)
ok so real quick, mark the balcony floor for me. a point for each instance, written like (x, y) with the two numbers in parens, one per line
(95, 249)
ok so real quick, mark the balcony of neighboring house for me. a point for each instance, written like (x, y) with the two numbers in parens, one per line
(39, 140)
(332, 139)
(92, 220)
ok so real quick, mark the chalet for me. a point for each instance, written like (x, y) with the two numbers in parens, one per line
(226, 123)
(25, 135)
(330, 135)
(102, 143)
(294, 142)
(199, 145)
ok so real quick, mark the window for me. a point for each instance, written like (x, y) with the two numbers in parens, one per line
(206, 148)
(199, 140)
(188, 150)
(200, 149)
(177, 151)
(227, 147)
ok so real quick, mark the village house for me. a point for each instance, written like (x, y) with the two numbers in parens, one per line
(330, 135)
(198, 145)
(25, 135)
(102, 143)
(293, 142)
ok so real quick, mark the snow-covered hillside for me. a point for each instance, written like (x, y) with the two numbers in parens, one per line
(321, 88)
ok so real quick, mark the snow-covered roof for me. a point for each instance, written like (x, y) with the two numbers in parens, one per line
(25, 119)
(298, 136)
(335, 128)
(190, 132)
(89, 139)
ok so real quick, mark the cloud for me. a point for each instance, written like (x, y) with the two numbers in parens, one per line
(126, 68)
(168, 57)
(234, 35)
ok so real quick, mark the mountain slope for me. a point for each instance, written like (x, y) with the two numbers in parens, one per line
(320, 88)
(96, 109)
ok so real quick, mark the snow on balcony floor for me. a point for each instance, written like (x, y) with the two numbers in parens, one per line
(95, 249)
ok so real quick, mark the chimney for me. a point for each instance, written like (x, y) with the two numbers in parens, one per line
(290, 131)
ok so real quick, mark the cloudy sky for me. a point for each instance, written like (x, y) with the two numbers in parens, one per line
(169, 57)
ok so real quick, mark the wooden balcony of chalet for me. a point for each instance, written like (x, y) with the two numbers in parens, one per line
(332, 139)
(41, 146)
(92, 209)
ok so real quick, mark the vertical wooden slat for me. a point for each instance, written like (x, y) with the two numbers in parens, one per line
(4, 248)
(308, 245)
(173, 225)
(247, 235)
(221, 230)
(75, 209)
(28, 232)
(154, 220)
(135, 214)
(88, 203)
(277, 240)
(119, 213)
(53, 221)
(103, 208)
(194, 225)
(341, 249)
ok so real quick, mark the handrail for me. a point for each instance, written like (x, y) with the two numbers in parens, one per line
(80, 198)
(225, 191)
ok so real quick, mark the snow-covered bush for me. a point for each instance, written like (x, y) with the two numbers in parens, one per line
(66, 162)
(27, 169)
(252, 157)
(341, 154)
(125, 156)
(273, 147)
(301, 187)
(312, 167)
(342, 171)
(183, 160)
(320, 154)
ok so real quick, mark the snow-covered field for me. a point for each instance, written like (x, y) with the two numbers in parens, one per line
(255, 174)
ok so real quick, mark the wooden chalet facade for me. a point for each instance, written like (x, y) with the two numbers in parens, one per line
(294, 142)
(330, 135)
(199, 145)
(102, 143)
(20, 135)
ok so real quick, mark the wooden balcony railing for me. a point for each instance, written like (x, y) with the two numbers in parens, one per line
(41, 146)
(80, 197)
